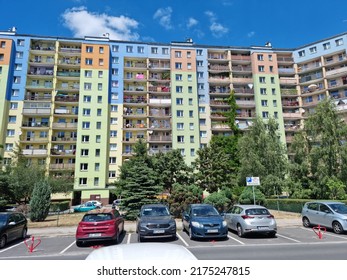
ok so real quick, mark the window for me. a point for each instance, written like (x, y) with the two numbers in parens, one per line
(115, 60)
(200, 63)
(265, 115)
(202, 110)
(87, 98)
(96, 181)
(339, 42)
(18, 66)
(301, 53)
(189, 65)
(271, 68)
(113, 147)
(89, 61)
(182, 152)
(191, 139)
(200, 75)
(83, 181)
(272, 79)
(112, 174)
(84, 152)
(84, 166)
(85, 125)
(115, 48)
(178, 65)
(326, 46)
(98, 125)
(276, 115)
(179, 89)
(198, 52)
(112, 160)
(12, 119)
(85, 138)
(262, 80)
(264, 103)
(192, 152)
(88, 73)
(97, 138)
(86, 112)
(100, 74)
(154, 50)
(191, 126)
(114, 108)
(261, 68)
(260, 57)
(178, 54)
(114, 120)
(140, 49)
(99, 99)
(189, 77)
(97, 152)
(190, 101)
(2, 57)
(180, 126)
(15, 92)
(87, 86)
(189, 54)
(101, 61)
(89, 49)
(97, 166)
(190, 89)
(20, 42)
(165, 51)
(16, 80)
(270, 57)
(179, 113)
(113, 133)
(203, 134)
(98, 112)
(273, 90)
(178, 77)
(10, 132)
(99, 86)
(313, 50)
(274, 103)
(19, 54)
(179, 101)
(191, 113)
(180, 139)
(101, 50)
(13, 105)
(129, 49)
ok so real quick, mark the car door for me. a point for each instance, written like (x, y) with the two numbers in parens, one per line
(119, 220)
(12, 228)
(234, 218)
(325, 216)
(228, 217)
(311, 212)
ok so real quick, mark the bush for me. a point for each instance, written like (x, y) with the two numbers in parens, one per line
(218, 200)
(61, 205)
(247, 196)
(40, 201)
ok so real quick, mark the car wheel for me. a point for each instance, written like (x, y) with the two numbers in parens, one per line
(272, 234)
(337, 227)
(190, 232)
(306, 222)
(24, 233)
(239, 230)
(79, 243)
(3, 241)
(117, 239)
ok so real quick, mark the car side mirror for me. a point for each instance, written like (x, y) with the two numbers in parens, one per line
(11, 223)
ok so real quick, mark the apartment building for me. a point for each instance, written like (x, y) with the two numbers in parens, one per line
(80, 105)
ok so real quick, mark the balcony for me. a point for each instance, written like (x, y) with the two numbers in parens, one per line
(66, 98)
(160, 138)
(160, 101)
(153, 151)
(62, 166)
(32, 140)
(159, 65)
(35, 124)
(288, 81)
(37, 111)
(63, 111)
(336, 72)
(68, 74)
(241, 57)
(64, 125)
(289, 92)
(134, 139)
(241, 69)
(290, 103)
(135, 126)
(64, 139)
(56, 152)
(159, 89)
(135, 99)
(218, 68)
(286, 71)
(285, 59)
(34, 152)
(35, 96)
(245, 103)
(76, 50)
(221, 126)
(242, 80)
(292, 115)
(135, 65)
(243, 91)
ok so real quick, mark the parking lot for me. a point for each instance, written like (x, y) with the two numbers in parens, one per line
(64, 247)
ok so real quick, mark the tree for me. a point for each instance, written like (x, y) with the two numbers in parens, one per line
(336, 189)
(218, 200)
(138, 182)
(171, 169)
(40, 201)
(213, 169)
(183, 195)
(247, 196)
(262, 154)
(320, 150)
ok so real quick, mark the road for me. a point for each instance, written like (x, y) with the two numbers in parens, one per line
(291, 243)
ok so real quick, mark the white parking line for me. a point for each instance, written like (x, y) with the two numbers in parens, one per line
(67, 248)
(326, 233)
(128, 241)
(4, 250)
(181, 238)
(286, 237)
(230, 237)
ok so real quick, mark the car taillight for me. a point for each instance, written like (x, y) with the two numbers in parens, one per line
(247, 217)
(271, 217)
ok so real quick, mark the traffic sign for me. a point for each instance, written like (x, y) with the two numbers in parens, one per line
(252, 181)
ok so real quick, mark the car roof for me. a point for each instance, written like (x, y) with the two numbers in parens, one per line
(100, 211)
(326, 202)
(142, 251)
(201, 204)
(153, 205)
(250, 206)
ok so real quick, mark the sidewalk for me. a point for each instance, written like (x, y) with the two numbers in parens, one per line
(130, 227)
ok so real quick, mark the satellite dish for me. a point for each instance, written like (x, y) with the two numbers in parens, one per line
(20, 132)
(250, 86)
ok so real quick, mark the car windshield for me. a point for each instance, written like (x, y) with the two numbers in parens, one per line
(97, 217)
(339, 208)
(205, 211)
(3, 219)
(257, 211)
(155, 211)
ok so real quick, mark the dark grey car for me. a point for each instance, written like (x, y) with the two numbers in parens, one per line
(12, 226)
(155, 221)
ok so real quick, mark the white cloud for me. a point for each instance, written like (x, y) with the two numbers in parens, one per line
(250, 34)
(217, 29)
(192, 22)
(84, 23)
(164, 17)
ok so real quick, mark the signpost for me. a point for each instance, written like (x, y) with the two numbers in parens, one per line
(253, 181)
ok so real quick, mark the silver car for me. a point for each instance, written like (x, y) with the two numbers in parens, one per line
(329, 214)
(246, 219)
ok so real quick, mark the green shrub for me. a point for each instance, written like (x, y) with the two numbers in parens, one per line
(40, 201)
(61, 205)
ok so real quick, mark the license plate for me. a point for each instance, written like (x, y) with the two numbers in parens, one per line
(212, 230)
(156, 231)
(263, 227)
(94, 234)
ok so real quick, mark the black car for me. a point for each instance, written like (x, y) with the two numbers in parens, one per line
(12, 226)
(155, 221)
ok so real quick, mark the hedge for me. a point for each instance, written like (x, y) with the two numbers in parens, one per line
(61, 205)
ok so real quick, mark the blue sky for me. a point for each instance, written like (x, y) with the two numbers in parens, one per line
(286, 24)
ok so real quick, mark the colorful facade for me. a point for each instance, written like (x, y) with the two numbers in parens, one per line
(78, 106)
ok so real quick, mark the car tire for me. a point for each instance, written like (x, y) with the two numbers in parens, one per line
(24, 233)
(306, 222)
(3, 241)
(272, 234)
(337, 228)
(117, 239)
(190, 233)
(79, 243)
(240, 231)
(139, 238)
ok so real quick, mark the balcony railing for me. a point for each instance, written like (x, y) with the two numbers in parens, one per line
(62, 152)
(159, 138)
(33, 152)
(38, 97)
(159, 89)
(163, 101)
(153, 151)
(64, 139)
(37, 111)
(292, 115)
(35, 124)
(61, 166)
(65, 125)
(66, 98)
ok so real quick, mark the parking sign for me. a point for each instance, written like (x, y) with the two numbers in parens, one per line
(252, 181)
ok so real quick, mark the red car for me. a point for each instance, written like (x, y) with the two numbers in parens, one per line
(100, 225)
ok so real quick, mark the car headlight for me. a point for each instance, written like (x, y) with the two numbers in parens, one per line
(197, 225)
(224, 223)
